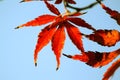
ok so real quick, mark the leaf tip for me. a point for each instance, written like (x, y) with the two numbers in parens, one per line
(36, 64)
(21, 1)
(18, 27)
(69, 56)
(57, 68)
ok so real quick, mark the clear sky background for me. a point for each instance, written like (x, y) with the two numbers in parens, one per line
(17, 46)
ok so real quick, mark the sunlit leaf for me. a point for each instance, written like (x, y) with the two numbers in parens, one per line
(81, 22)
(96, 59)
(111, 70)
(99, 59)
(113, 13)
(58, 43)
(52, 8)
(43, 39)
(75, 35)
(105, 37)
(39, 21)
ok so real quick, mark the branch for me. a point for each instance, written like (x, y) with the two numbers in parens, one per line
(84, 8)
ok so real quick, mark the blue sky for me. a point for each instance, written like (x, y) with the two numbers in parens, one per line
(17, 46)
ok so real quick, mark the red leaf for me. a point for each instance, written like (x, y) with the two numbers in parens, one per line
(111, 70)
(52, 8)
(39, 21)
(26, 1)
(81, 23)
(76, 14)
(114, 14)
(69, 1)
(43, 39)
(58, 1)
(58, 43)
(75, 35)
(32, 0)
(105, 37)
(96, 59)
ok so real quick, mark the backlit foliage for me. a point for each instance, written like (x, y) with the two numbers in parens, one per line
(70, 21)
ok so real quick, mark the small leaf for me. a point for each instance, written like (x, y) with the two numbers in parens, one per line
(81, 22)
(32, 0)
(58, 43)
(58, 1)
(69, 1)
(43, 38)
(52, 8)
(75, 35)
(114, 14)
(39, 21)
(105, 37)
(25, 1)
(111, 70)
(95, 59)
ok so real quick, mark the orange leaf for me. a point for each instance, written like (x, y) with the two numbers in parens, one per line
(111, 70)
(114, 14)
(97, 59)
(105, 37)
(43, 39)
(52, 8)
(75, 35)
(39, 21)
(58, 43)
(81, 22)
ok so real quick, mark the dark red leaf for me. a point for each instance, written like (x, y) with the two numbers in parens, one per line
(69, 1)
(105, 37)
(96, 59)
(111, 70)
(43, 39)
(39, 21)
(58, 43)
(81, 22)
(114, 14)
(52, 8)
(75, 35)
(58, 1)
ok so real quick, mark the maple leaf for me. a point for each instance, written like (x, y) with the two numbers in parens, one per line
(80, 22)
(95, 59)
(111, 70)
(55, 31)
(32, 0)
(105, 37)
(113, 13)
(69, 1)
